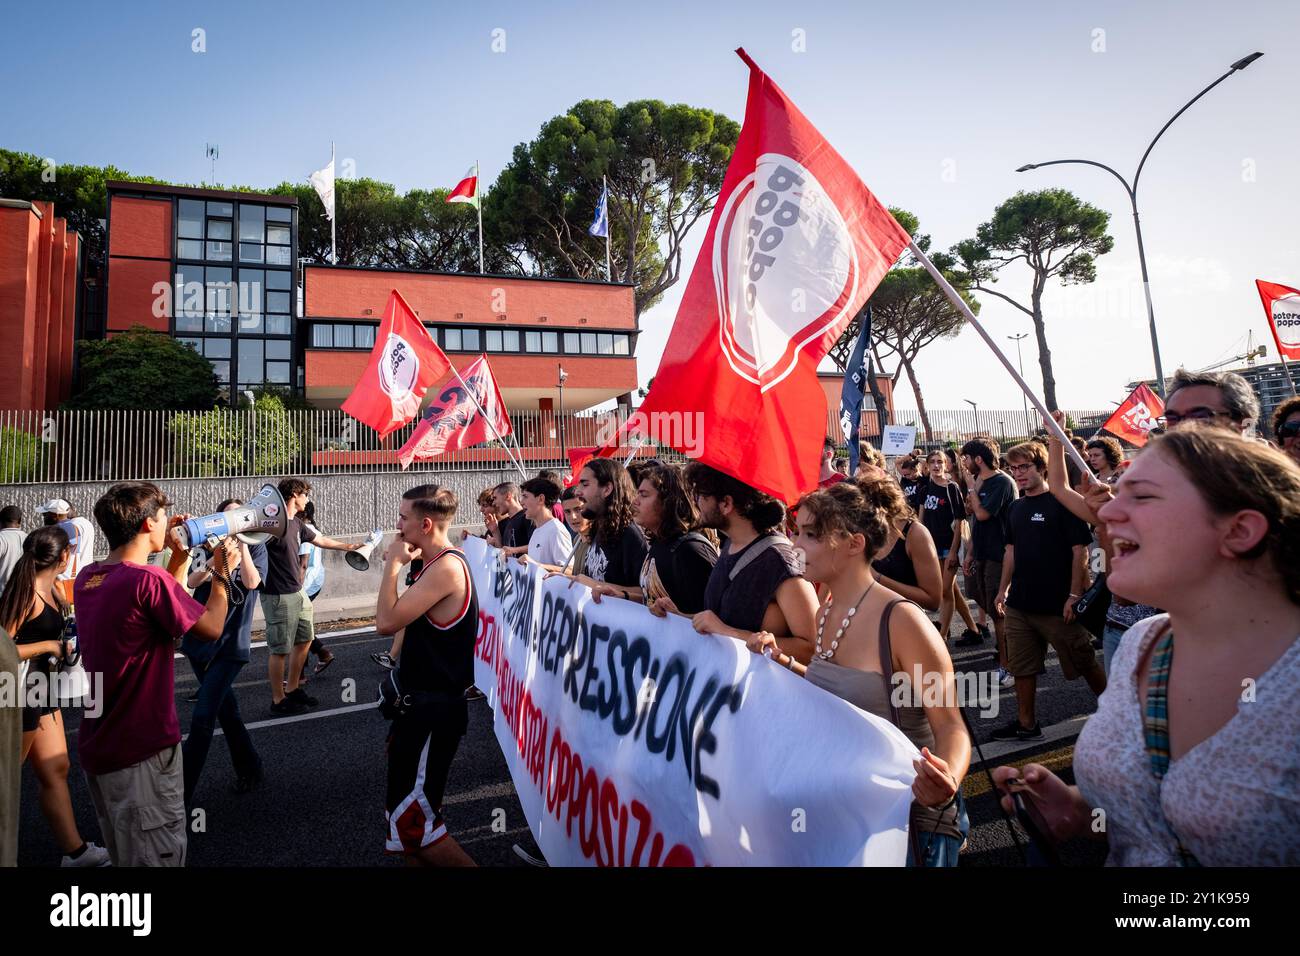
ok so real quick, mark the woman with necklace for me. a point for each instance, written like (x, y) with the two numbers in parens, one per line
(1192, 751)
(880, 652)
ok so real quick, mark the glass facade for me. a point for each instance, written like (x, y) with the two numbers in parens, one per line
(235, 289)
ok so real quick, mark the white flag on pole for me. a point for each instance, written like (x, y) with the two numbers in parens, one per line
(323, 182)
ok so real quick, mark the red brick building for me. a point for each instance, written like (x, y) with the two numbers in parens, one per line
(528, 328)
(40, 269)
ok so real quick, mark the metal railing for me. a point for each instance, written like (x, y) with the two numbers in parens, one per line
(69, 446)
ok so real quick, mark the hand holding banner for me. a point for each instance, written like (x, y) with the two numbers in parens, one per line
(634, 741)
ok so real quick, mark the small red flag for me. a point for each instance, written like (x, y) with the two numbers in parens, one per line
(1282, 306)
(403, 364)
(796, 245)
(1134, 419)
(455, 419)
(467, 189)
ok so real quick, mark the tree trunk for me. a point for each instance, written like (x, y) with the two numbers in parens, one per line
(916, 390)
(1044, 353)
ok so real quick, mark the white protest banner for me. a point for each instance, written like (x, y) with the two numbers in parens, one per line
(898, 439)
(634, 741)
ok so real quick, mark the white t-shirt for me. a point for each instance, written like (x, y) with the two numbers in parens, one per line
(81, 535)
(551, 543)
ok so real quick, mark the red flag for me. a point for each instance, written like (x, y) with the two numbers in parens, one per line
(796, 245)
(403, 364)
(1282, 306)
(467, 189)
(455, 419)
(1134, 419)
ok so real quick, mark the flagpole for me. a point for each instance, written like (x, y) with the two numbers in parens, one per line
(640, 440)
(334, 252)
(491, 424)
(965, 310)
(478, 194)
(1286, 368)
(604, 188)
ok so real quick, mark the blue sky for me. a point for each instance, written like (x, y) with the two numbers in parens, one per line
(935, 107)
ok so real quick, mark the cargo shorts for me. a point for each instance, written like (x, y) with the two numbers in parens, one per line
(289, 621)
(141, 810)
(1028, 636)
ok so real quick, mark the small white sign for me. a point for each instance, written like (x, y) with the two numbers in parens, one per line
(898, 439)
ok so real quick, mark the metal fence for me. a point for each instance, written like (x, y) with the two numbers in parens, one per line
(87, 446)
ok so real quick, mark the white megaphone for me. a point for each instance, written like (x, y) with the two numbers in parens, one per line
(253, 523)
(360, 558)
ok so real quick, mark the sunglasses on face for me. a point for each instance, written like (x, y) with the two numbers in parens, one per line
(1289, 430)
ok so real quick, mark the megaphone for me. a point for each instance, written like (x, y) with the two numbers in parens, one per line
(262, 518)
(360, 558)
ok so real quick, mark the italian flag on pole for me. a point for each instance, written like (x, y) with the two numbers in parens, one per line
(467, 189)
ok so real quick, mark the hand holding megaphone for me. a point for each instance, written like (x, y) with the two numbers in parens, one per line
(359, 559)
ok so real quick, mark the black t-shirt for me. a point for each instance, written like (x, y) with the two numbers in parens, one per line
(989, 537)
(912, 488)
(284, 574)
(741, 603)
(617, 562)
(679, 569)
(516, 531)
(939, 506)
(1043, 535)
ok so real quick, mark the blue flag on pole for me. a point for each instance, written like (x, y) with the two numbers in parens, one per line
(600, 225)
(855, 389)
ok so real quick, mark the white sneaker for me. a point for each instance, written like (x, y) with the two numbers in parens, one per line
(94, 855)
(1005, 678)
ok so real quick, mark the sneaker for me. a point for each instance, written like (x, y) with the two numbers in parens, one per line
(969, 638)
(323, 662)
(383, 660)
(1005, 677)
(250, 782)
(302, 697)
(984, 632)
(92, 855)
(1013, 731)
(287, 707)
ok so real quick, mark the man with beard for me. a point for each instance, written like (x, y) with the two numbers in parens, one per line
(1043, 575)
(511, 530)
(617, 546)
(756, 584)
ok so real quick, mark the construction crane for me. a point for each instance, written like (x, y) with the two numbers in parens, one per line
(1252, 353)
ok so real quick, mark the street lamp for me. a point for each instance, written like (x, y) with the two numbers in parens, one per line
(977, 413)
(564, 448)
(1132, 195)
(1021, 361)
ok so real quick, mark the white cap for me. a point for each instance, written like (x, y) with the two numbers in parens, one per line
(55, 506)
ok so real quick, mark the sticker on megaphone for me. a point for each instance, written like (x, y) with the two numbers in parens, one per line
(253, 523)
(359, 559)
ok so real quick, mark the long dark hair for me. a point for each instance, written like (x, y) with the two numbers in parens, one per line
(617, 514)
(42, 550)
(678, 514)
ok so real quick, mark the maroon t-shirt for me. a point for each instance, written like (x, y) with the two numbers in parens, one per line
(128, 618)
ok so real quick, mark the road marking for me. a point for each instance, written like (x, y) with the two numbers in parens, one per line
(281, 721)
(322, 635)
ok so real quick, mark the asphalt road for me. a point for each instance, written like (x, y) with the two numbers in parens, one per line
(322, 800)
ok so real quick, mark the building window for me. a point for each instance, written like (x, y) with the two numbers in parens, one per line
(550, 342)
(622, 345)
(451, 340)
(322, 336)
(469, 340)
(605, 343)
(571, 342)
(494, 340)
(511, 339)
(588, 343)
(365, 336)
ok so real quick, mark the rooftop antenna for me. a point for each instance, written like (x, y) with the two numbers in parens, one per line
(212, 151)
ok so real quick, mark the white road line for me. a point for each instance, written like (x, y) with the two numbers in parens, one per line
(321, 634)
(281, 721)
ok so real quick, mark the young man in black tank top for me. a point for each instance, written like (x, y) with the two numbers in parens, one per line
(440, 613)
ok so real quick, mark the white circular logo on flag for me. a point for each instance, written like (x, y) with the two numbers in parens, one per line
(1286, 319)
(398, 367)
(785, 269)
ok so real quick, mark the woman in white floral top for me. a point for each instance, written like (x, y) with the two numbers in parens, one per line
(1192, 758)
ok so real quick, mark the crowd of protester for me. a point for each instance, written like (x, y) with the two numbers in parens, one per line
(1194, 536)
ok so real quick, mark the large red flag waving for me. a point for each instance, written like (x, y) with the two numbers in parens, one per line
(455, 419)
(795, 246)
(1282, 306)
(1134, 420)
(403, 364)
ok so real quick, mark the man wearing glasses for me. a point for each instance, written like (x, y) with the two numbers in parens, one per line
(1222, 398)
